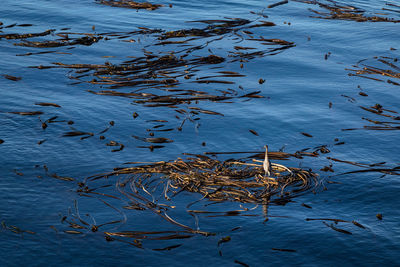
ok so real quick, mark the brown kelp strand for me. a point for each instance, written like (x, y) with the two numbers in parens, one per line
(337, 229)
(14, 229)
(46, 104)
(11, 78)
(25, 35)
(27, 113)
(129, 4)
(337, 11)
(278, 4)
(67, 41)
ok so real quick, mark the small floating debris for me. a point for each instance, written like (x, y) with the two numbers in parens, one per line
(307, 134)
(224, 240)
(253, 132)
(11, 78)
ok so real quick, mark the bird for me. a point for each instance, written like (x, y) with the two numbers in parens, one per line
(267, 163)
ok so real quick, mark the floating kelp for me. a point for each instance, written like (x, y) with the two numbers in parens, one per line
(381, 67)
(144, 71)
(153, 79)
(344, 12)
(384, 67)
(393, 122)
(163, 70)
(129, 4)
(160, 73)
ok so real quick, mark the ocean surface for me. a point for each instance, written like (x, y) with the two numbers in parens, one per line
(295, 61)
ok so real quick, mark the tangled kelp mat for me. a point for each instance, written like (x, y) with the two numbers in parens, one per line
(150, 188)
(229, 180)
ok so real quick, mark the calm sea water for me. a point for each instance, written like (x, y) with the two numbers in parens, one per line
(300, 83)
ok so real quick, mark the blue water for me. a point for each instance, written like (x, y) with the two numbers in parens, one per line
(300, 84)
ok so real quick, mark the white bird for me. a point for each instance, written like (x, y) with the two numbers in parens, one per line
(267, 164)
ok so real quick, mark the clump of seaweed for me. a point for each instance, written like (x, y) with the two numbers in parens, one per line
(344, 12)
(129, 4)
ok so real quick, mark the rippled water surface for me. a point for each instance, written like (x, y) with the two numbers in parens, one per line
(307, 89)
